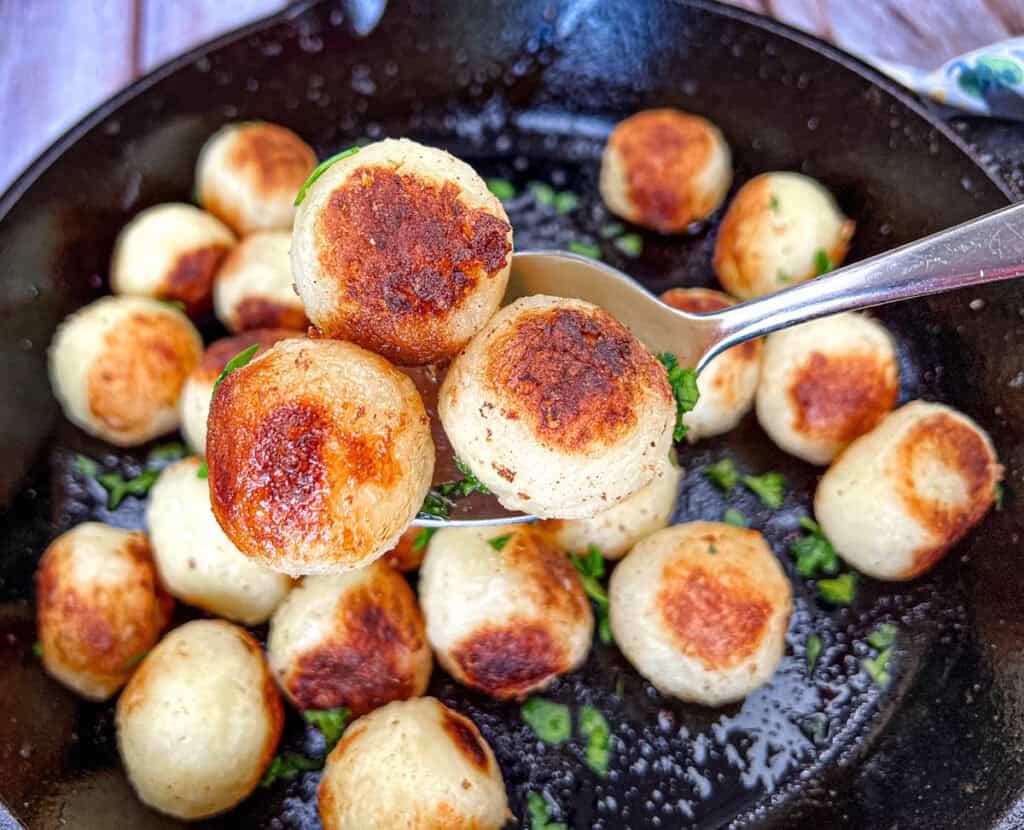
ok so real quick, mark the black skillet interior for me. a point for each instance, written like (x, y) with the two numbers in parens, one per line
(528, 91)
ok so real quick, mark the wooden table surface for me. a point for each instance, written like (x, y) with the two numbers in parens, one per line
(59, 58)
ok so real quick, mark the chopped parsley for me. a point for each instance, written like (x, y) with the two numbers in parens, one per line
(591, 569)
(684, 390)
(773, 203)
(542, 193)
(502, 188)
(822, 262)
(286, 765)
(330, 722)
(86, 466)
(540, 818)
(584, 249)
(167, 452)
(550, 721)
(422, 539)
(566, 201)
(237, 362)
(203, 471)
(138, 658)
(839, 590)
(883, 636)
(631, 244)
(620, 686)
(37, 649)
(712, 549)
(878, 667)
(441, 498)
(770, 488)
(320, 169)
(782, 276)
(735, 517)
(118, 487)
(812, 651)
(177, 304)
(1000, 493)
(813, 553)
(499, 542)
(594, 727)
(610, 230)
(722, 474)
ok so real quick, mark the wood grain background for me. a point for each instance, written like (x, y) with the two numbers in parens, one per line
(59, 58)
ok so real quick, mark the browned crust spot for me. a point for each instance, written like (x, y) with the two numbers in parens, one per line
(661, 151)
(838, 397)
(466, 738)
(548, 574)
(143, 364)
(405, 254)
(576, 375)
(716, 619)
(190, 278)
(218, 353)
(272, 158)
(505, 472)
(704, 301)
(371, 657)
(259, 312)
(945, 439)
(508, 661)
(738, 266)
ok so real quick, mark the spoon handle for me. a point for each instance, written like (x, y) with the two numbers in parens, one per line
(986, 249)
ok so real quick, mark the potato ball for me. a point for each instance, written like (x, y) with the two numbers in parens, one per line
(665, 169)
(118, 365)
(505, 610)
(413, 764)
(558, 409)
(781, 229)
(901, 496)
(354, 639)
(615, 531)
(825, 383)
(728, 383)
(254, 287)
(198, 388)
(319, 456)
(170, 252)
(402, 249)
(199, 721)
(196, 561)
(248, 175)
(701, 610)
(99, 607)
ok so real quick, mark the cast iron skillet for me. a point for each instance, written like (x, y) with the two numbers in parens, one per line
(528, 91)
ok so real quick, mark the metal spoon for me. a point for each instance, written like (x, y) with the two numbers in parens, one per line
(987, 249)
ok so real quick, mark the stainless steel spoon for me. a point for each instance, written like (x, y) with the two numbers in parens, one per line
(987, 249)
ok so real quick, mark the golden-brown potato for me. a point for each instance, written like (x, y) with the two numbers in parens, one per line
(505, 610)
(170, 252)
(254, 287)
(665, 169)
(402, 249)
(413, 764)
(777, 232)
(319, 456)
(825, 383)
(248, 175)
(898, 498)
(558, 409)
(99, 607)
(701, 610)
(199, 721)
(117, 367)
(198, 388)
(728, 383)
(354, 639)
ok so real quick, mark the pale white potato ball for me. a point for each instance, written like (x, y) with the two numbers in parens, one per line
(701, 610)
(898, 498)
(319, 456)
(505, 609)
(248, 175)
(558, 409)
(825, 383)
(254, 287)
(99, 607)
(197, 562)
(728, 383)
(118, 365)
(665, 169)
(199, 721)
(170, 252)
(780, 229)
(198, 389)
(615, 531)
(354, 639)
(402, 249)
(413, 764)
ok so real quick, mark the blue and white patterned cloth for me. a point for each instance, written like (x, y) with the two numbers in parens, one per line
(987, 81)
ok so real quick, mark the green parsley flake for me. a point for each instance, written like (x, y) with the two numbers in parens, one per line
(138, 658)
(1000, 493)
(612, 229)
(773, 203)
(594, 727)
(422, 539)
(735, 517)
(782, 276)
(320, 169)
(591, 569)
(883, 636)
(584, 249)
(37, 649)
(330, 722)
(822, 263)
(550, 721)
(499, 542)
(86, 466)
(203, 471)
(441, 498)
(542, 193)
(712, 549)
(566, 201)
(812, 650)
(684, 390)
(839, 590)
(175, 304)
(540, 818)
(631, 244)
(814, 553)
(118, 488)
(722, 474)
(237, 362)
(502, 188)
(167, 452)
(285, 766)
(878, 667)
(770, 488)
(620, 686)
